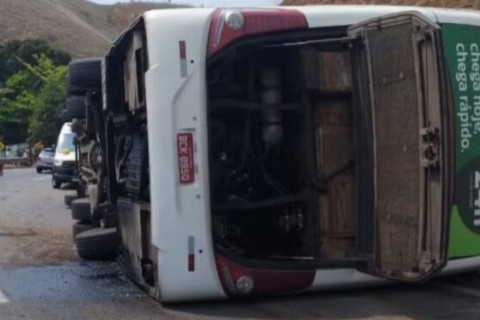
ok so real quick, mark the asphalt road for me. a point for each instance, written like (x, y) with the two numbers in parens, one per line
(41, 278)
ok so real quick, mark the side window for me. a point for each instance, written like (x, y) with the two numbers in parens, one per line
(135, 65)
(140, 67)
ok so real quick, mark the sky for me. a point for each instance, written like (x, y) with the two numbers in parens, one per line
(208, 3)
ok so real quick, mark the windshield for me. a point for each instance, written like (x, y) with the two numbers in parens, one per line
(65, 143)
(47, 153)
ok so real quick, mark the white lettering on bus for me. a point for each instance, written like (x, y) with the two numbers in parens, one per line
(475, 66)
(465, 124)
(461, 75)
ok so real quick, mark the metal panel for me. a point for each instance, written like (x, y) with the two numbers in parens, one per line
(404, 106)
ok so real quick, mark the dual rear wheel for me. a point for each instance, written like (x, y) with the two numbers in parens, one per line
(91, 240)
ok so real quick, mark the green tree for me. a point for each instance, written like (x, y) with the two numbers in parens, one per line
(33, 98)
(44, 121)
(32, 90)
(17, 102)
(26, 50)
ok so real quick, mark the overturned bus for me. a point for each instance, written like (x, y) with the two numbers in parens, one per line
(240, 152)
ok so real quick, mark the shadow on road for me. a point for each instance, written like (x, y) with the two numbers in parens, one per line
(434, 300)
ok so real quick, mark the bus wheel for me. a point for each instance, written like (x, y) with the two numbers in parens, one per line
(76, 106)
(81, 190)
(82, 226)
(97, 244)
(69, 198)
(84, 74)
(81, 209)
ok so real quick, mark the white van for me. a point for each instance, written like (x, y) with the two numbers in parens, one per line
(275, 150)
(64, 159)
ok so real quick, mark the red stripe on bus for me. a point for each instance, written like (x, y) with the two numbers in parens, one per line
(183, 49)
(191, 263)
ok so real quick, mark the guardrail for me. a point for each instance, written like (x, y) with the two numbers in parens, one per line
(16, 161)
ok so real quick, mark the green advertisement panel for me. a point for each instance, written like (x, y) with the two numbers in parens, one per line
(462, 49)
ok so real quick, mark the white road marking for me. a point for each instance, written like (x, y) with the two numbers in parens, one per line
(3, 298)
(40, 178)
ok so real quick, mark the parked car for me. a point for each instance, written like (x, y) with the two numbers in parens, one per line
(64, 159)
(45, 160)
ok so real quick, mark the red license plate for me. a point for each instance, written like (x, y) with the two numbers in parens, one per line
(186, 166)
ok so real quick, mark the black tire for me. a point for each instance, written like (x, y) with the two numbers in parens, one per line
(73, 89)
(90, 117)
(39, 170)
(97, 244)
(80, 227)
(76, 107)
(81, 192)
(86, 73)
(81, 210)
(69, 198)
(65, 116)
(55, 183)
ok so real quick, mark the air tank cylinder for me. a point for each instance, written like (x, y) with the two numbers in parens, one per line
(271, 97)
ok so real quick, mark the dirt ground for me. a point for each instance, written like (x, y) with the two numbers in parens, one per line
(35, 225)
(31, 247)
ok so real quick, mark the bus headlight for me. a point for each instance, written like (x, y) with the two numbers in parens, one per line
(245, 285)
(234, 19)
